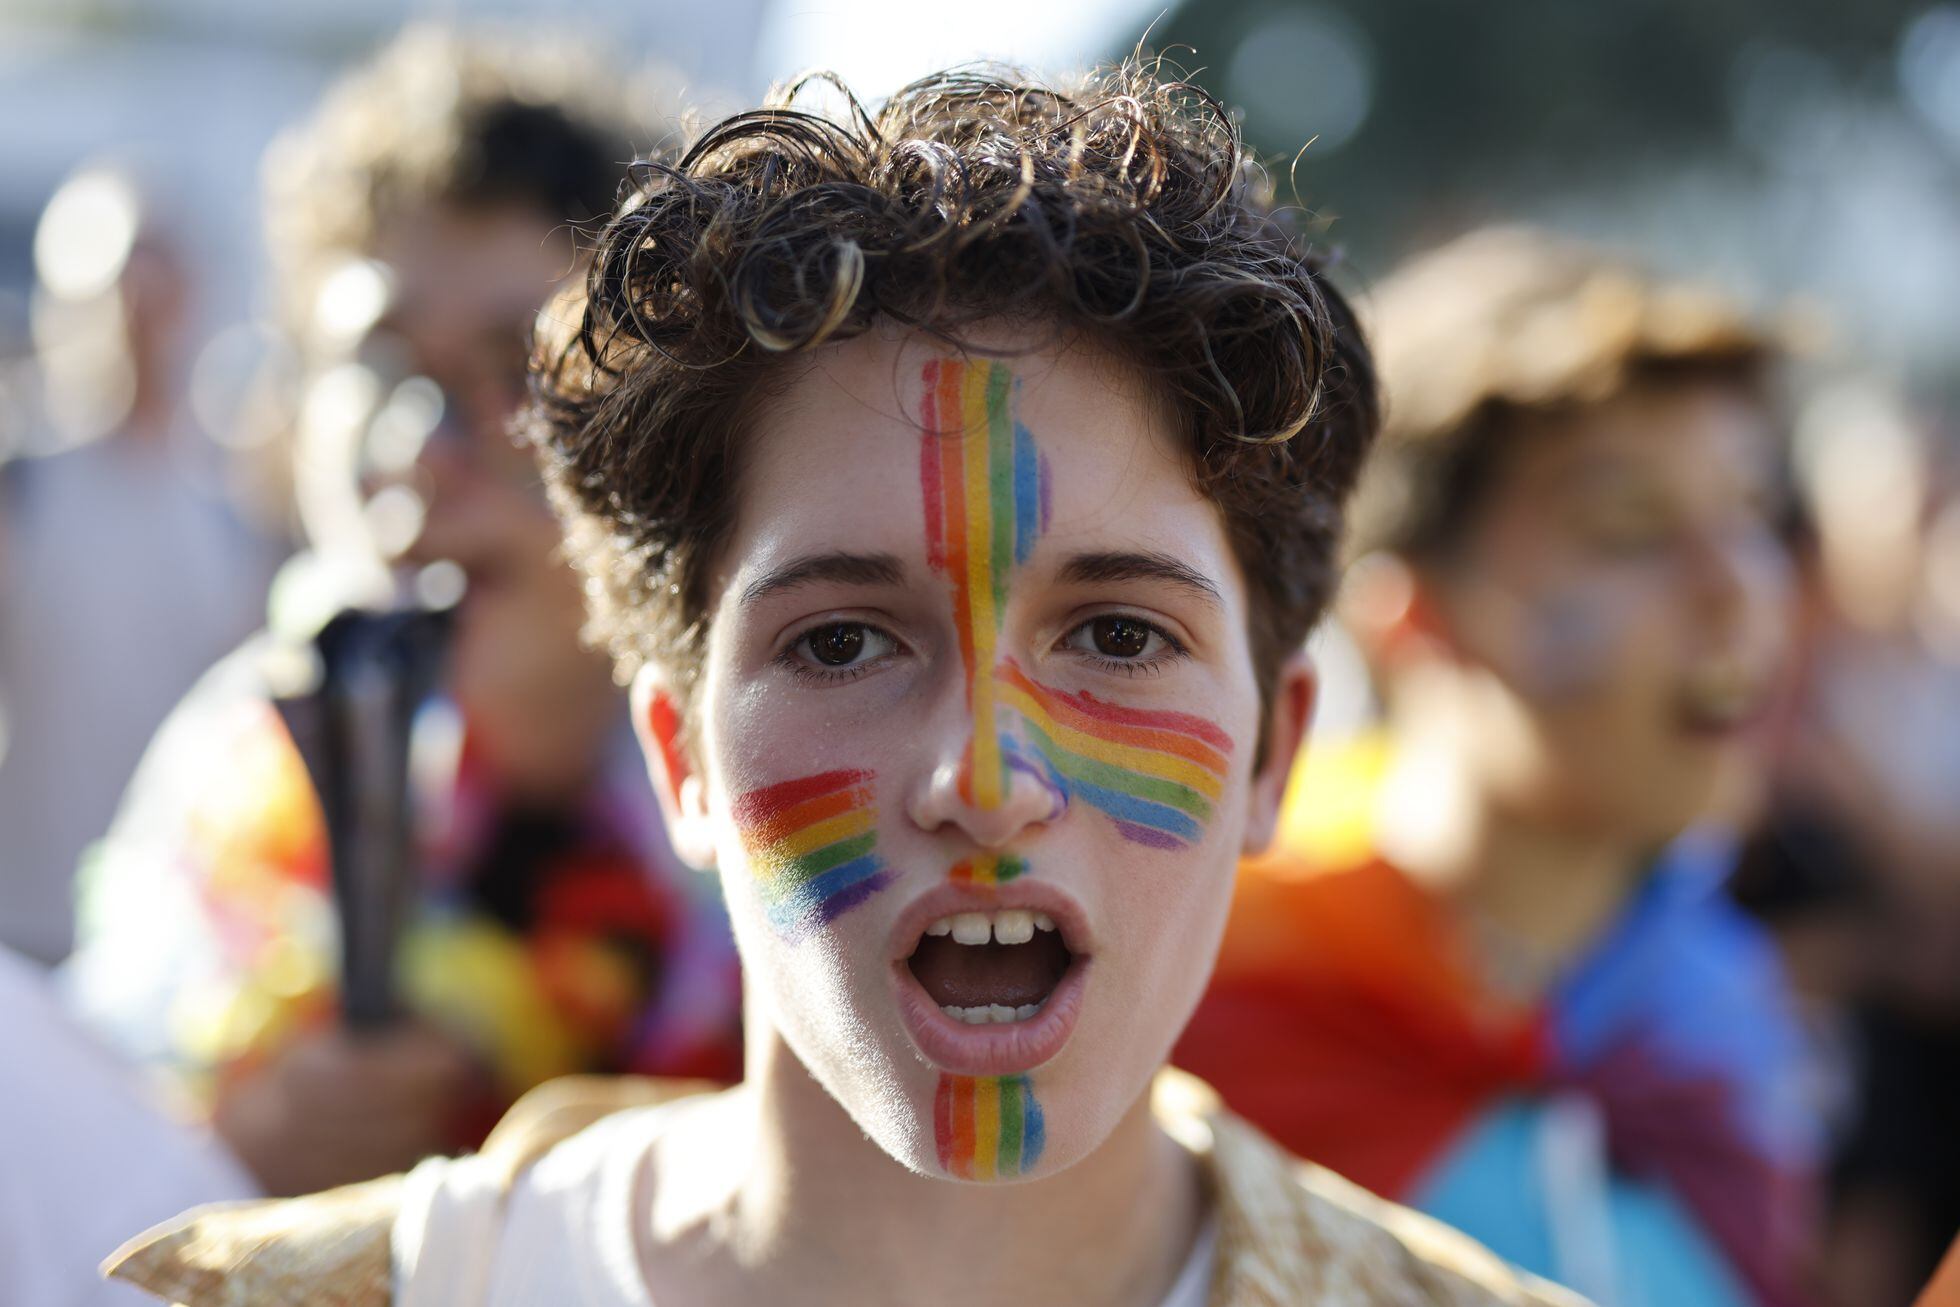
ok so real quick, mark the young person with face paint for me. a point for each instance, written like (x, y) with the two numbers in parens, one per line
(958, 483)
(1514, 996)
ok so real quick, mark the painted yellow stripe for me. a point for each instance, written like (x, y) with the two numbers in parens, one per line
(818, 834)
(986, 1126)
(980, 586)
(1147, 762)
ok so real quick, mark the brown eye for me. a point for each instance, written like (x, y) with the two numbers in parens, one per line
(836, 646)
(1120, 637)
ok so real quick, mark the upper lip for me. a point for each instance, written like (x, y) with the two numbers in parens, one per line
(1027, 893)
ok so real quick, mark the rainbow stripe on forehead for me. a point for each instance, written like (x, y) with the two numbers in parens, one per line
(987, 1127)
(814, 845)
(986, 500)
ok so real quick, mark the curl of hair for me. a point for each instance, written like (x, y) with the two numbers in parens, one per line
(1124, 207)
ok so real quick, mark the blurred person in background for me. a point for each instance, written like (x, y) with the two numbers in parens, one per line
(86, 1153)
(418, 221)
(1491, 974)
(1855, 865)
(123, 573)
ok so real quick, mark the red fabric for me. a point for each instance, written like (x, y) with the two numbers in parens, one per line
(1343, 1022)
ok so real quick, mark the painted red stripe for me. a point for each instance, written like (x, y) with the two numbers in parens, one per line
(1153, 719)
(762, 805)
(1069, 710)
(929, 471)
(942, 1121)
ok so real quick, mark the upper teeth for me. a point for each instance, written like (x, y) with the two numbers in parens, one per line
(1008, 926)
(990, 1013)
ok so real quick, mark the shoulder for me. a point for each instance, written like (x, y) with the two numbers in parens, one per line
(1293, 1232)
(348, 1247)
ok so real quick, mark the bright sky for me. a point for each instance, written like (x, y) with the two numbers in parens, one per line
(879, 45)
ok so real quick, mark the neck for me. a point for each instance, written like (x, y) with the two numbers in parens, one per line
(1533, 892)
(814, 1212)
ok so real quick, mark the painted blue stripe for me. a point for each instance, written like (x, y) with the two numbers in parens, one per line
(1027, 493)
(1034, 1131)
(841, 878)
(1127, 807)
(789, 910)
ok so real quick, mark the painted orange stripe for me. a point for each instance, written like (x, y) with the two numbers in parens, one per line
(1063, 710)
(807, 813)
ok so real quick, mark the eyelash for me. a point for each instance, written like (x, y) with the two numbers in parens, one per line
(810, 674)
(1173, 651)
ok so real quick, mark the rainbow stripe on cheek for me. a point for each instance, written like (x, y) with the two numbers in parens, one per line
(1156, 774)
(813, 842)
(987, 1127)
(985, 503)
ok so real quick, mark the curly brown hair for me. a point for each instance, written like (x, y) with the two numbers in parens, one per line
(1124, 207)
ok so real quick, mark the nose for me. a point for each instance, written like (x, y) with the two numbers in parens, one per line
(987, 782)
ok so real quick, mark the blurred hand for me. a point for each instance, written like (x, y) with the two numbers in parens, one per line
(336, 1107)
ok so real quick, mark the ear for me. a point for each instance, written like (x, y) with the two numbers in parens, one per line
(1286, 726)
(658, 725)
(1394, 612)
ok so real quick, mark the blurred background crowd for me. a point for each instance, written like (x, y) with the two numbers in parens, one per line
(1616, 916)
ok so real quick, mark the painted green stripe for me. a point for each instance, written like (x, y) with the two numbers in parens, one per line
(1171, 794)
(1009, 1153)
(817, 861)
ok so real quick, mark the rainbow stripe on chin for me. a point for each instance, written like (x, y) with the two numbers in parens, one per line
(987, 1127)
(1155, 773)
(814, 845)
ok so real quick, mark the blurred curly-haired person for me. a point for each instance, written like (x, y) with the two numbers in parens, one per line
(1498, 982)
(958, 482)
(417, 222)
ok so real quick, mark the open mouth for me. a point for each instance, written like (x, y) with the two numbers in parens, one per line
(990, 981)
(991, 967)
(1723, 696)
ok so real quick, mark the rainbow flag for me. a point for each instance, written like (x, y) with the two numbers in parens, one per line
(814, 844)
(987, 1127)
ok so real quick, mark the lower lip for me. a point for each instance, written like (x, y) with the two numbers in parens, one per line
(1007, 1049)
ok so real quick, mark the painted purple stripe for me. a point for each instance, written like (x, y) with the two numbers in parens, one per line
(1156, 839)
(850, 896)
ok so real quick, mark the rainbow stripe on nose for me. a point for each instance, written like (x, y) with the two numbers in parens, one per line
(985, 503)
(987, 1127)
(813, 842)
(1156, 774)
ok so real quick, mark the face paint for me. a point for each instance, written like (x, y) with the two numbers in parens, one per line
(987, 1127)
(985, 502)
(1571, 641)
(1155, 773)
(813, 843)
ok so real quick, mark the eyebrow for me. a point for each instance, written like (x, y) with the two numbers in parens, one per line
(1104, 568)
(837, 568)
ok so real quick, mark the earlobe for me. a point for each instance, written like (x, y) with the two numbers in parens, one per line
(1287, 719)
(661, 729)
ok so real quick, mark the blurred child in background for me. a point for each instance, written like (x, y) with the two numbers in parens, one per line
(1492, 974)
(418, 222)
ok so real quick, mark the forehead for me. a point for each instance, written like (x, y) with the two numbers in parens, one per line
(1692, 437)
(459, 269)
(834, 456)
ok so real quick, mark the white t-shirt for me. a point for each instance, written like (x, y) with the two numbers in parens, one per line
(86, 1159)
(567, 1232)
